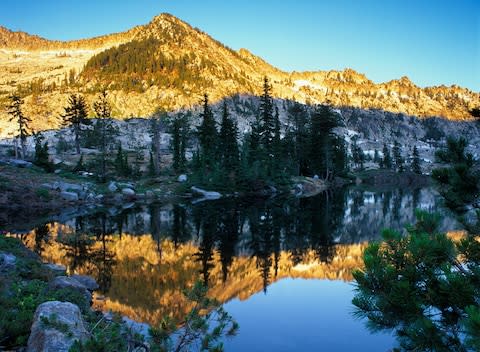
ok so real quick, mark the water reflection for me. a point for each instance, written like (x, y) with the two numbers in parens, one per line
(142, 258)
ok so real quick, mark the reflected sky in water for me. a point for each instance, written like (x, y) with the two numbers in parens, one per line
(283, 266)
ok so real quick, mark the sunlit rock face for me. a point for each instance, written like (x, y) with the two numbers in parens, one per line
(143, 258)
(48, 71)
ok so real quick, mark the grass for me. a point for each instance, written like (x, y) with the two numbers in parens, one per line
(22, 289)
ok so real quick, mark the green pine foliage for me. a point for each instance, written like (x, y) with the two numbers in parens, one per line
(17, 116)
(398, 161)
(459, 180)
(416, 162)
(387, 158)
(75, 115)
(424, 285)
(41, 158)
(207, 134)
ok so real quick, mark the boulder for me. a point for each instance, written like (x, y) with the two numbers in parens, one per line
(112, 187)
(61, 282)
(128, 192)
(87, 281)
(56, 268)
(20, 163)
(69, 196)
(7, 261)
(210, 195)
(56, 326)
(182, 178)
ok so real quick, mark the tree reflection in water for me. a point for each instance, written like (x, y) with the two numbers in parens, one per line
(143, 257)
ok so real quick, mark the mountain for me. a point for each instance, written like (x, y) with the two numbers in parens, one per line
(167, 63)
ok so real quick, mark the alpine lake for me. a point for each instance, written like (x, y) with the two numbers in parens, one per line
(282, 267)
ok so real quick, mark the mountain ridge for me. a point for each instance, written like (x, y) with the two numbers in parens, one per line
(183, 63)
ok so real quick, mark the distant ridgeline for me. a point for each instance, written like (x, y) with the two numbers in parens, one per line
(168, 64)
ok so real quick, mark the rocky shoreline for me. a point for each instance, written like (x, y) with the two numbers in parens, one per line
(65, 323)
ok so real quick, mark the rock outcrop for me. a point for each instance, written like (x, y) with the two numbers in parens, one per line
(56, 326)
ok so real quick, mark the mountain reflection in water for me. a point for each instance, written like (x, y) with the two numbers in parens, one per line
(142, 258)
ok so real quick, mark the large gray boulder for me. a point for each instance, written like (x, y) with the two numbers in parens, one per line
(56, 268)
(128, 192)
(7, 261)
(69, 196)
(87, 281)
(69, 282)
(56, 326)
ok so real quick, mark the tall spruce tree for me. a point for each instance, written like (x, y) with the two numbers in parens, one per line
(299, 134)
(416, 167)
(323, 121)
(22, 121)
(75, 115)
(157, 125)
(398, 160)
(103, 110)
(180, 134)
(207, 133)
(387, 159)
(229, 151)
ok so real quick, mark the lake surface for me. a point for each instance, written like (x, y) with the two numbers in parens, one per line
(283, 267)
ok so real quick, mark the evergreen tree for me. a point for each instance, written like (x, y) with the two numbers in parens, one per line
(416, 168)
(121, 162)
(41, 158)
(376, 158)
(298, 117)
(397, 157)
(157, 121)
(75, 116)
(387, 159)
(207, 133)
(358, 157)
(323, 121)
(424, 285)
(179, 130)
(229, 151)
(104, 125)
(266, 117)
(277, 142)
(17, 116)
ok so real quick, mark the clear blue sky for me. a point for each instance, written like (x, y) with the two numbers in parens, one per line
(433, 42)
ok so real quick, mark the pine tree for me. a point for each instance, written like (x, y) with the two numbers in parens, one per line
(298, 117)
(229, 151)
(207, 133)
(41, 158)
(323, 121)
(387, 159)
(157, 121)
(17, 116)
(266, 117)
(416, 168)
(103, 111)
(179, 130)
(75, 116)
(397, 157)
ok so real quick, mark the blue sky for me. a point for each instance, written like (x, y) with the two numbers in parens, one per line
(433, 42)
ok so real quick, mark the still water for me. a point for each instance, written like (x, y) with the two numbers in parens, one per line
(282, 267)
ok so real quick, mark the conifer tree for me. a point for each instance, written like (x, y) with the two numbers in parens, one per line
(397, 157)
(298, 117)
(266, 116)
(17, 116)
(416, 168)
(157, 125)
(323, 121)
(387, 159)
(75, 116)
(103, 111)
(179, 131)
(229, 151)
(207, 133)
(41, 153)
